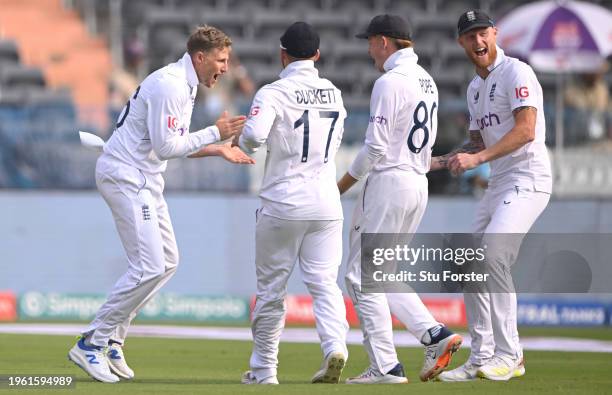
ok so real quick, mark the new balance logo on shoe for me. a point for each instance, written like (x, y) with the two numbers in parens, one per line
(114, 354)
(91, 358)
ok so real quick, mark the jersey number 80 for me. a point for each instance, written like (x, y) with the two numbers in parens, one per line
(419, 124)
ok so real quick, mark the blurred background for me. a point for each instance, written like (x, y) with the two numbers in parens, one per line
(69, 65)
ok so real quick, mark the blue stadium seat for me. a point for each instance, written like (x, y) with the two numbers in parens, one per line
(8, 52)
(21, 76)
(51, 114)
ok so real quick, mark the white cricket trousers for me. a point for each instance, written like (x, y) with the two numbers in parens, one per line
(317, 248)
(504, 216)
(392, 201)
(143, 223)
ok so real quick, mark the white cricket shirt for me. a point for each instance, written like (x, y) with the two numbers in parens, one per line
(403, 119)
(301, 118)
(510, 84)
(154, 125)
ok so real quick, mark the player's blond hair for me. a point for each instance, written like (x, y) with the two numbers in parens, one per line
(401, 43)
(204, 38)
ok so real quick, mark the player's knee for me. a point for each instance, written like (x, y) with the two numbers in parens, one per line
(269, 306)
(320, 288)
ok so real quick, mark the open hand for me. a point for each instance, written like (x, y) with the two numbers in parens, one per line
(234, 154)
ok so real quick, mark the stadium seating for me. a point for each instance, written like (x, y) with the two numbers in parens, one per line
(255, 27)
(31, 115)
(8, 53)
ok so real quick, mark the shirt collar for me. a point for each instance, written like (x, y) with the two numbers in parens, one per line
(305, 67)
(402, 57)
(499, 59)
(190, 73)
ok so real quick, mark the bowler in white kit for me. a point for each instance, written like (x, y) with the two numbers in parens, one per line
(301, 119)
(153, 127)
(507, 130)
(395, 158)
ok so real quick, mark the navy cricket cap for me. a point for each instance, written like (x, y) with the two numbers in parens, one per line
(300, 40)
(393, 26)
(473, 19)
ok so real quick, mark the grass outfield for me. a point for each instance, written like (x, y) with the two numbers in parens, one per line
(168, 366)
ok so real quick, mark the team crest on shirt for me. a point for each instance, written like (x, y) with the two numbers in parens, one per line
(492, 92)
(476, 96)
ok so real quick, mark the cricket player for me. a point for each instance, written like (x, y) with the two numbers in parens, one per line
(153, 127)
(301, 118)
(396, 155)
(507, 130)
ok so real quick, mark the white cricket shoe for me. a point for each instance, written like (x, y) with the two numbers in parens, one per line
(438, 356)
(520, 369)
(249, 378)
(499, 368)
(117, 363)
(331, 369)
(465, 372)
(92, 359)
(373, 376)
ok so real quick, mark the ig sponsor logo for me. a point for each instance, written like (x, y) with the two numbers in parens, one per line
(172, 122)
(521, 92)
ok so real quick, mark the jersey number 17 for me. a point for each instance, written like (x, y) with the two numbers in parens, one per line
(303, 120)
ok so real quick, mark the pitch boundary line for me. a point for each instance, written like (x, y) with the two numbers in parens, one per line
(295, 335)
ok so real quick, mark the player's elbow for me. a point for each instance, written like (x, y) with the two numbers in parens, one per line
(528, 135)
(250, 145)
(164, 152)
(376, 151)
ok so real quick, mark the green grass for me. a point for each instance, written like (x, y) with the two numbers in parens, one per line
(168, 366)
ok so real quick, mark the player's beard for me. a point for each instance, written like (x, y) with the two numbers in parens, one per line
(486, 60)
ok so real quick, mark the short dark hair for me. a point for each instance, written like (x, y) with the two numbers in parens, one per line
(204, 38)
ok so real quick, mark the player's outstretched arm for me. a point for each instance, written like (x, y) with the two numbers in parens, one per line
(472, 146)
(522, 133)
(228, 152)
